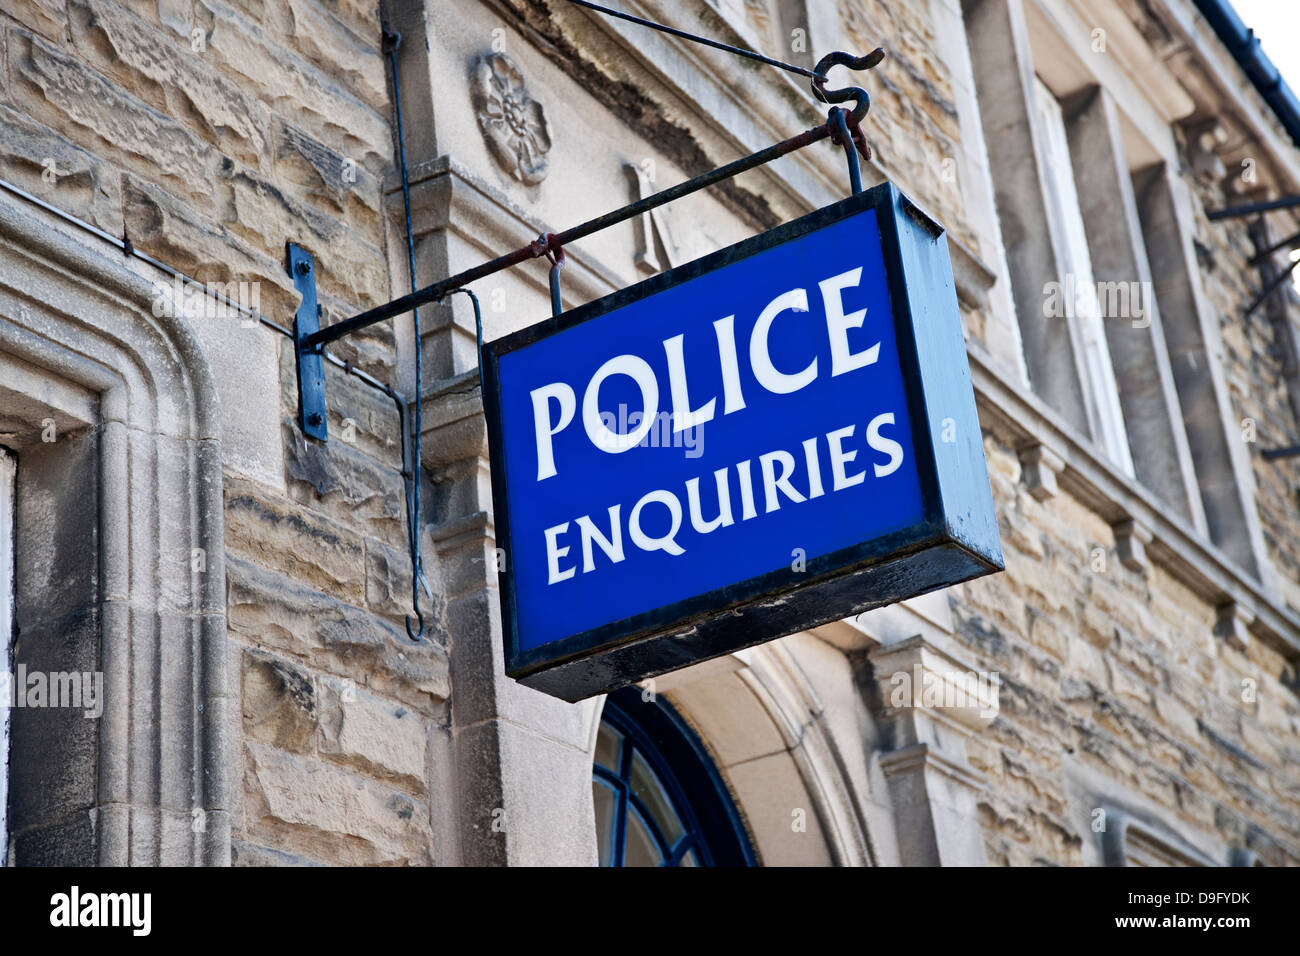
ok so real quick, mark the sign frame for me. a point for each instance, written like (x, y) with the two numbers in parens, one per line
(956, 539)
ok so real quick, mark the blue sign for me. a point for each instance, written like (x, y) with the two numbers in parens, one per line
(772, 437)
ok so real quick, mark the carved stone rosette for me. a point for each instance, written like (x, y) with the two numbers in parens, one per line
(513, 123)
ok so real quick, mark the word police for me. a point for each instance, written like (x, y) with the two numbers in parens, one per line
(823, 463)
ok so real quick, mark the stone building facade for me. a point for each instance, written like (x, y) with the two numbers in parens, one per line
(242, 590)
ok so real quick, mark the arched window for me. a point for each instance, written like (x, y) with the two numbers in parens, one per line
(659, 799)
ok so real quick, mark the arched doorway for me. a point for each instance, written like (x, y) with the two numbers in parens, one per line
(659, 800)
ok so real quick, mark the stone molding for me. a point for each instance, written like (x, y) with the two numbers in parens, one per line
(1021, 419)
(161, 794)
(933, 787)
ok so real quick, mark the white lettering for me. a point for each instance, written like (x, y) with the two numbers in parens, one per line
(545, 428)
(796, 300)
(683, 416)
(554, 553)
(640, 372)
(838, 324)
(882, 444)
(664, 542)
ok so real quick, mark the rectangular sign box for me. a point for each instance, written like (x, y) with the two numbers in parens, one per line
(772, 437)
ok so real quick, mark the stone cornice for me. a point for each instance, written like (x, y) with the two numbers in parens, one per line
(1234, 88)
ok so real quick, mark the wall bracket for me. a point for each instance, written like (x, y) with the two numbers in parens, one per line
(309, 357)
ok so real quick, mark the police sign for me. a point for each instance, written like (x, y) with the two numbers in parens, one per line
(775, 436)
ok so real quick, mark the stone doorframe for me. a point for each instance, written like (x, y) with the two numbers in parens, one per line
(120, 561)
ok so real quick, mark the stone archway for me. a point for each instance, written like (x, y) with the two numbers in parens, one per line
(763, 715)
(120, 559)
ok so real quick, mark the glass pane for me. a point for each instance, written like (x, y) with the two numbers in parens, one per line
(641, 849)
(646, 785)
(688, 859)
(607, 741)
(606, 802)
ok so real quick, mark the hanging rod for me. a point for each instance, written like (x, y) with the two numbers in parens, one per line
(540, 247)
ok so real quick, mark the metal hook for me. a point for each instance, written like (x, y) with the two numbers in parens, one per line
(861, 98)
(554, 253)
(841, 135)
(415, 635)
(847, 127)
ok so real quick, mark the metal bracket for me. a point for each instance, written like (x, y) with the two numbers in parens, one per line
(309, 359)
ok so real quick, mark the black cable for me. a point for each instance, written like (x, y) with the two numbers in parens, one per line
(392, 40)
(738, 51)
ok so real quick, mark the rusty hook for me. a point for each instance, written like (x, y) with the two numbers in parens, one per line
(861, 98)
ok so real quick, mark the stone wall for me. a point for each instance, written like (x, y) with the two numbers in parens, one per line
(210, 134)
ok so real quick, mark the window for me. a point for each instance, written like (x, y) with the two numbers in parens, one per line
(1080, 287)
(659, 800)
(7, 474)
(1130, 841)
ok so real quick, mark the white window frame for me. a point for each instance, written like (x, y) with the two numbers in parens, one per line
(1101, 391)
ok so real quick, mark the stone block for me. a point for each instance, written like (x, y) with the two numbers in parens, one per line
(164, 70)
(273, 610)
(349, 266)
(293, 87)
(377, 737)
(67, 95)
(325, 179)
(347, 484)
(312, 548)
(47, 17)
(339, 51)
(1131, 539)
(171, 231)
(301, 806)
(48, 166)
(279, 702)
(1039, 468)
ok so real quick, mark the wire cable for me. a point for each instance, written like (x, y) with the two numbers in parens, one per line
(738, 51)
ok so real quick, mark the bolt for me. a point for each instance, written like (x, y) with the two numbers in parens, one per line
(304, 267)
(314, 419)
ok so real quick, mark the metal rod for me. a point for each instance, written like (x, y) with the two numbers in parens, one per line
(738, 51)
(440, 290)
(1286, 202)
(841, 124)
(1273, 283)
(478, 328)
(1263, 254)
(1271, 454)
(557, 305)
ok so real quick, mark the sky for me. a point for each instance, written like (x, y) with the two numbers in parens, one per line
(1277, 23)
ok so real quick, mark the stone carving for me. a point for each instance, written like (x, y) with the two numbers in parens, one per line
(513, 123)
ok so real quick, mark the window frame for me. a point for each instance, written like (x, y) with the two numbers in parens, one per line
(712, 824)
(1100, 388)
